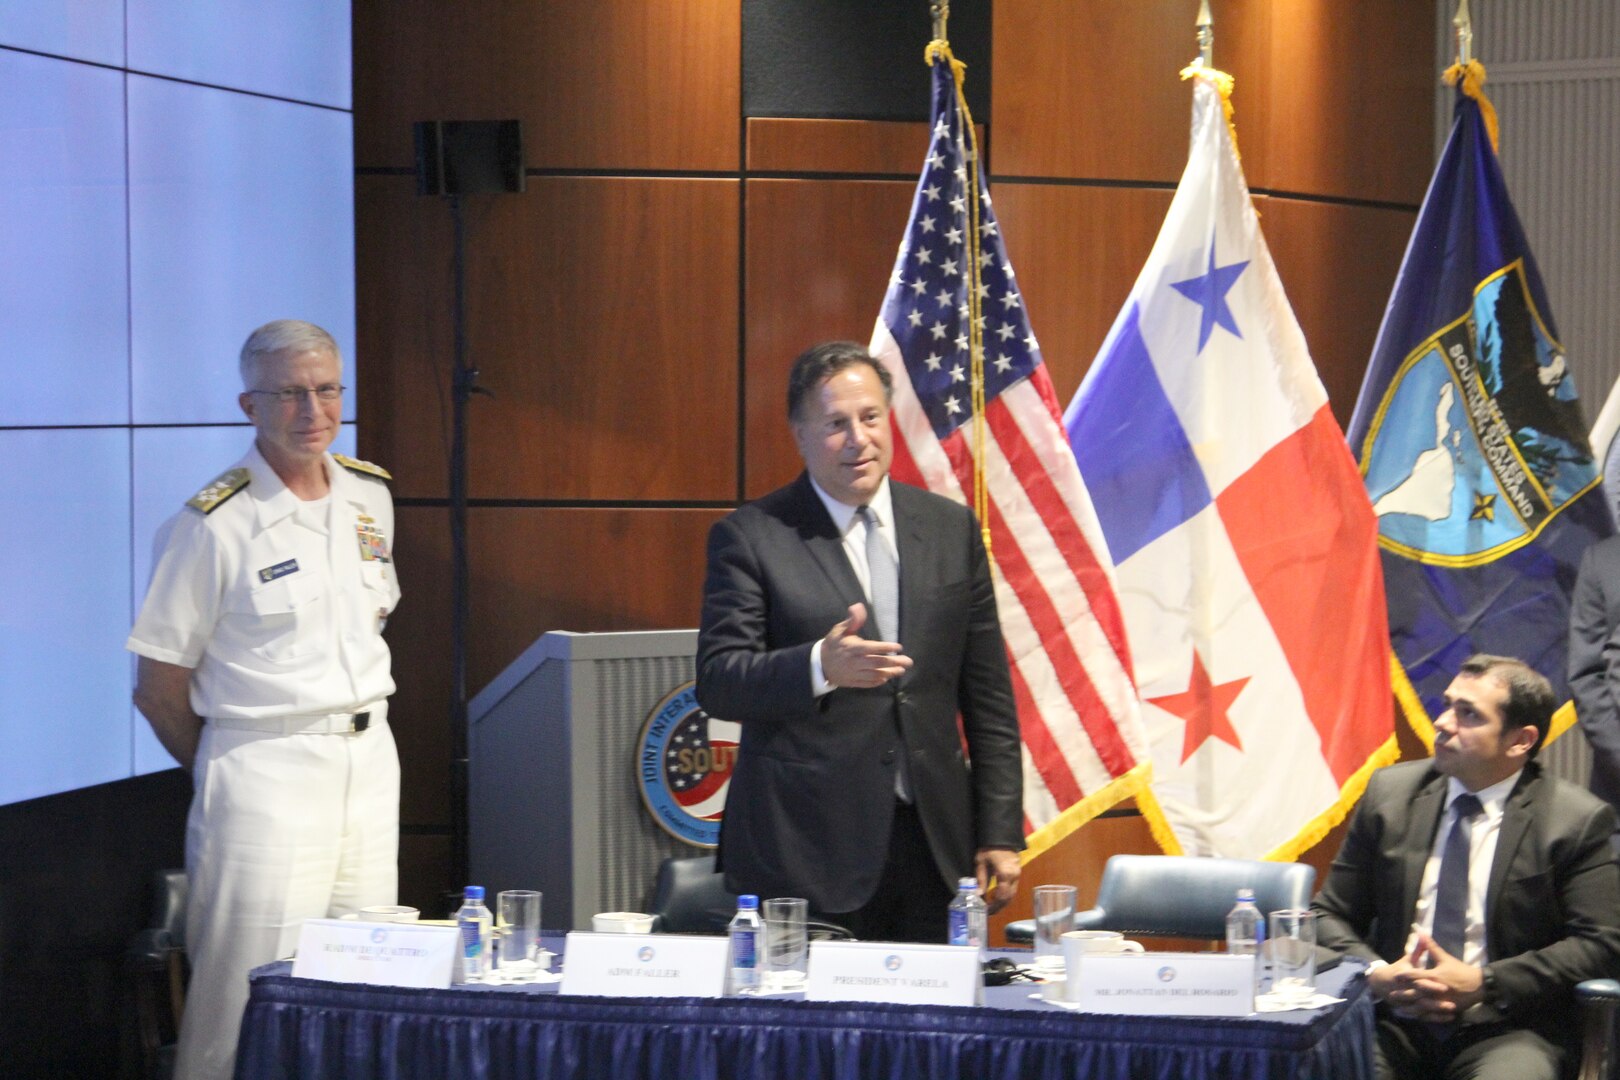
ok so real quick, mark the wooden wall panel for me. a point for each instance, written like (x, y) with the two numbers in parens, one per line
(1332, 98)
(605, 322)
(1338, 265)
(1090, 89)
(602, 313)
(533, 570)
(587, 570)
(818, 262)
(418, 638)
(1346, 105)
(403, 332)
(622, 84)
(1077, 251)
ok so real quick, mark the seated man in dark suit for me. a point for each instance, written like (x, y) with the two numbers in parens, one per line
(1482, 890)
(848, 620)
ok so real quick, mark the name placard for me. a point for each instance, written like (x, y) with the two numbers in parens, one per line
(379, 953)
(1165, 984)
(644, 965)
(904, 974)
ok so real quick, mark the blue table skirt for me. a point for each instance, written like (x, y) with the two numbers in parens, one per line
(298, 1028)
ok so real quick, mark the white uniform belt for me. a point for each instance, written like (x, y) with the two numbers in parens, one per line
(344, 723)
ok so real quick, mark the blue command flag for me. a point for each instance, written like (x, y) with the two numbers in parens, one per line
(1471, 439)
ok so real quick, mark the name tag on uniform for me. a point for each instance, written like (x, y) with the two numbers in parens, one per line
(281, 569)
(373, 545)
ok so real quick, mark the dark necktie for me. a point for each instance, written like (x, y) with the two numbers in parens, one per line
(884, 577)
(1451, 895)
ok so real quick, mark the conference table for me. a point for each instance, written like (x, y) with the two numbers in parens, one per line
(301, 1029)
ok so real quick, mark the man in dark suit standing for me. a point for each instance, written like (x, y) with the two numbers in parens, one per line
(847, 621)
(1482, 890)
(1594, 663)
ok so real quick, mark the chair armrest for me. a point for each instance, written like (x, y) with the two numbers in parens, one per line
(150, 948)
(1021, 932)
(1091, 919)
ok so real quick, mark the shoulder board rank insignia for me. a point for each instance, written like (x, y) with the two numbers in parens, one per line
(364, 468)
(225, 485)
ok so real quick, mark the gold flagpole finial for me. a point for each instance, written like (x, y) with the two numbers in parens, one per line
(941, 11)
(1465, 34)
(1206, 34)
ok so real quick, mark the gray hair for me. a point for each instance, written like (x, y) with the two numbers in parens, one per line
(283, 335)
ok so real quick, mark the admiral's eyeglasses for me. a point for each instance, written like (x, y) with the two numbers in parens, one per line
(294, 395)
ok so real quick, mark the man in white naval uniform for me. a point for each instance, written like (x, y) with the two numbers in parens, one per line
(263, 670)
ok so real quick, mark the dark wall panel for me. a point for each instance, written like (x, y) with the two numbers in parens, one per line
(611, 84)
(854, 58)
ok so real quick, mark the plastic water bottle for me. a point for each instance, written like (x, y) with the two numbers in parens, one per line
(966, 916)
(745, 932)
(474, 925)
(1245, 929)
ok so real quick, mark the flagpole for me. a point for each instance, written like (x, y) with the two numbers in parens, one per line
(1465, 33)
(1206, 34)
(941, 11)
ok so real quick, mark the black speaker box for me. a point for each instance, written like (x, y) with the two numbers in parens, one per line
(469, 157)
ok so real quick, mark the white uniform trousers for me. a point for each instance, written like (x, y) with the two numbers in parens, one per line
(282, 828)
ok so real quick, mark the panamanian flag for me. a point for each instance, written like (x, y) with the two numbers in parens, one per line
(1244, 545)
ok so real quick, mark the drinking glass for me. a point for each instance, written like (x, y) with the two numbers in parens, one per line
(517, 920)
(1054, 917)
(1291, 949)
(786, 944)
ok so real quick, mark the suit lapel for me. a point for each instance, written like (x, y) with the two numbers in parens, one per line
(1517, 814)
(826, 547)
(912, 550)
(1426, 810)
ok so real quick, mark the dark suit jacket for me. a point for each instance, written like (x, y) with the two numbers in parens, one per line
(1594, 662)
(1552, 907)
(812, 795)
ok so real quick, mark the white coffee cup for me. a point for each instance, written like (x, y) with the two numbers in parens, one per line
(1079, 944)
(622, 922)
(389, 913)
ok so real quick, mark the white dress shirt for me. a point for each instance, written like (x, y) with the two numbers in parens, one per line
(1481, 854)
(853, 530)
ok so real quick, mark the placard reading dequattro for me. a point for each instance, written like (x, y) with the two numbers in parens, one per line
(378, 953)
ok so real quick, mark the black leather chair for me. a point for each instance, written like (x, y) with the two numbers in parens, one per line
(689, 896)
(1177, 896)
(156, 960)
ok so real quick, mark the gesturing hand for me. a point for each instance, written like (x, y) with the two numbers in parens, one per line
(847, 659)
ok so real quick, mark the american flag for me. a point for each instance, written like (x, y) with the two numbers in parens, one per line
(976, 420)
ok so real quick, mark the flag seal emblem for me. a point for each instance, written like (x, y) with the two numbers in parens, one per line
(684, 762)
(1472, 452)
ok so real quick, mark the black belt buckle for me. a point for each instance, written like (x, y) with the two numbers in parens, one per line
(362, 720)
